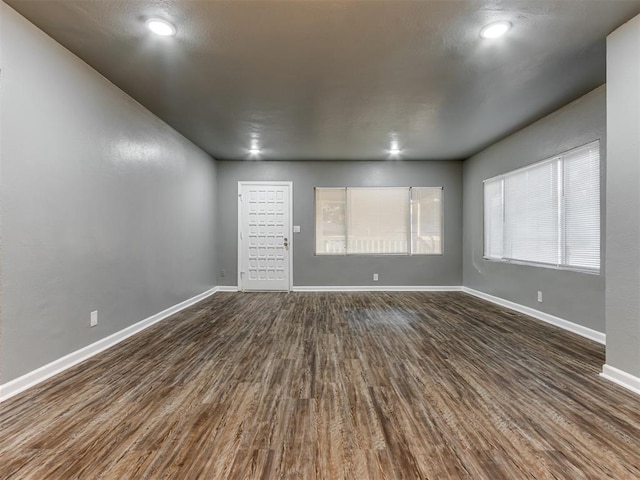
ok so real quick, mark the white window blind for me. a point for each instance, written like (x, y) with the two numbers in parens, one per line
(547, 213)
(379, 220)
(531, 214)
(581, 178)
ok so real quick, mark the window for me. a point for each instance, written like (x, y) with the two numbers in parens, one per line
(547, 213)
(382, 220)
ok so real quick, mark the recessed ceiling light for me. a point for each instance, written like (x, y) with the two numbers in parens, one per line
(495, 30)
(254, 151)
(161, 27)
(394, 151)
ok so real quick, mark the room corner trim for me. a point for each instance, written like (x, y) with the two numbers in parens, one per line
(621, 377)
(41, 374)
(378, 288)
(545, 317)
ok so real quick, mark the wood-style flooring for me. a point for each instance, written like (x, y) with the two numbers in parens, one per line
(331, 386)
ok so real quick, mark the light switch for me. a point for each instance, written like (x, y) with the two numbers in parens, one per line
(296, 229)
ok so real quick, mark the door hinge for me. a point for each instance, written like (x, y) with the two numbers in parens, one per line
(241, 238)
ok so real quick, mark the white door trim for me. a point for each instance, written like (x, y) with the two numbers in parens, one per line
(275, 183)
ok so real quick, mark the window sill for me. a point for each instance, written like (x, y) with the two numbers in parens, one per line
(543, 265)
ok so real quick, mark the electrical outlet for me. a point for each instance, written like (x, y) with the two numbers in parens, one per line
(375, 277)
(539, 296)
(223, 273)
(94, 318)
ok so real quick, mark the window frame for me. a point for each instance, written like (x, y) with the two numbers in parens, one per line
(410, 224)
(561, 214)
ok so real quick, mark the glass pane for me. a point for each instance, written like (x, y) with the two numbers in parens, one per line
(330, 221)
(378, 220)
(426, 218)
(532, 221)
(493, 218)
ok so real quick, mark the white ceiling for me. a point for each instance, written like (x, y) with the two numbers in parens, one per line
(337, 80)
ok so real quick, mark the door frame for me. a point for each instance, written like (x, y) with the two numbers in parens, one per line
(289, 184)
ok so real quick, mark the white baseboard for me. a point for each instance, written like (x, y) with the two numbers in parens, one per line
(34, 377)
(227, 288)
(622, 378)
(545, 317)
(378, 288)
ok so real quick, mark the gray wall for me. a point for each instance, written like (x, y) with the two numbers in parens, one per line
(103, 206)
(623, 198)
(577, 297)
(311, 270)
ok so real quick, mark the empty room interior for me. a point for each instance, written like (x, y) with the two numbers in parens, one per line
(328, 239)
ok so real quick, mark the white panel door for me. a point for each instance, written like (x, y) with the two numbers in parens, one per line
(264, 245)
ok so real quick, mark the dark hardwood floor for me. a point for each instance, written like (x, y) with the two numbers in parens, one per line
(331, 386)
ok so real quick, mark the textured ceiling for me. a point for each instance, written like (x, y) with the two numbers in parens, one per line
(314, 79)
